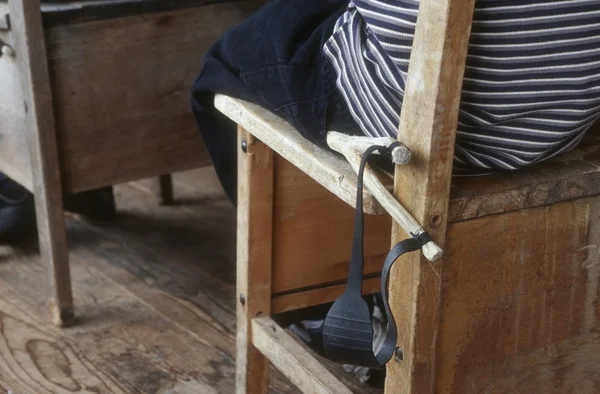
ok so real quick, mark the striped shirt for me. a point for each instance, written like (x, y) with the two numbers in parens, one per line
(532, 82)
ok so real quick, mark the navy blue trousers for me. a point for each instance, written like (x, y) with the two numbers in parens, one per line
(273, 59)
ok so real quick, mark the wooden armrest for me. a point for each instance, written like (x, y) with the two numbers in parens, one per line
(329, 169)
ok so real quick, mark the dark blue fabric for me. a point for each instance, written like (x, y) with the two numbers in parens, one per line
(273, 59)
(16, 210)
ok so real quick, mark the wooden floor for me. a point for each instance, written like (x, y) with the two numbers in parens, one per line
(155, 301)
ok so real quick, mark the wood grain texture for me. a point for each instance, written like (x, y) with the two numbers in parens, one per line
(400, 216)
(570, 176)
(122, 91)
(180, 260)
(203, 275)
(304, 298)
(312, 233)
(294, 361)
(254, 258)
(154, 295)
(428, 128)
(154, 312)
(41, 140)
(521, 302)
(573, 175)
(120, 339)
(329, 169)
(36, 359)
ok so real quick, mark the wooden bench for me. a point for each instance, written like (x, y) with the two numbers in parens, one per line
(97, 93)
(514, 303)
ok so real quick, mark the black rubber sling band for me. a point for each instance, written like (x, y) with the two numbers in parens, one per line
(348, 327)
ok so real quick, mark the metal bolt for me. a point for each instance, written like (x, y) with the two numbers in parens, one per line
(245, 146)
(242, 299)
(399, 356)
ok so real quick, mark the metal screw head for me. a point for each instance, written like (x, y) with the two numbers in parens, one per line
(245, 146)
(399, 355)
(242, 299)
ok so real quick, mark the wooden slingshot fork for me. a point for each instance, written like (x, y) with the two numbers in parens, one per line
(353, 148)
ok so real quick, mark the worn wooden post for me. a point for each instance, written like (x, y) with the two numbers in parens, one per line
(428, 128)
(30, 53)
(254, 258)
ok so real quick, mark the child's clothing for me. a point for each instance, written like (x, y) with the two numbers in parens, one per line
(531, 87)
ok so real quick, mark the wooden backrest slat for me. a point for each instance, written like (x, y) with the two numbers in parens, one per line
(428, 123)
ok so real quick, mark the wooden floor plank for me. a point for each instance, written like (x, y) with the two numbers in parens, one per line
(35, 357)
(154, 298)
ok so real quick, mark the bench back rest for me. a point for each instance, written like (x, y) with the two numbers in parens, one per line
(430, 108)
(428, 125)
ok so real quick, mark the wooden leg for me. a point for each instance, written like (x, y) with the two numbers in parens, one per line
(54, 252)
(165, 183)
(430, 105)
(254, 257)
(30, 53)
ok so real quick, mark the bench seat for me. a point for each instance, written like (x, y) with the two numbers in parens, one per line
(319, 186)
(570, 176)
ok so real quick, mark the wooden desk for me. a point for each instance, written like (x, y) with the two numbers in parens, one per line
(97, 93)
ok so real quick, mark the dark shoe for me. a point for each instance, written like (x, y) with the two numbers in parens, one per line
(17, 208)
(17, 211)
